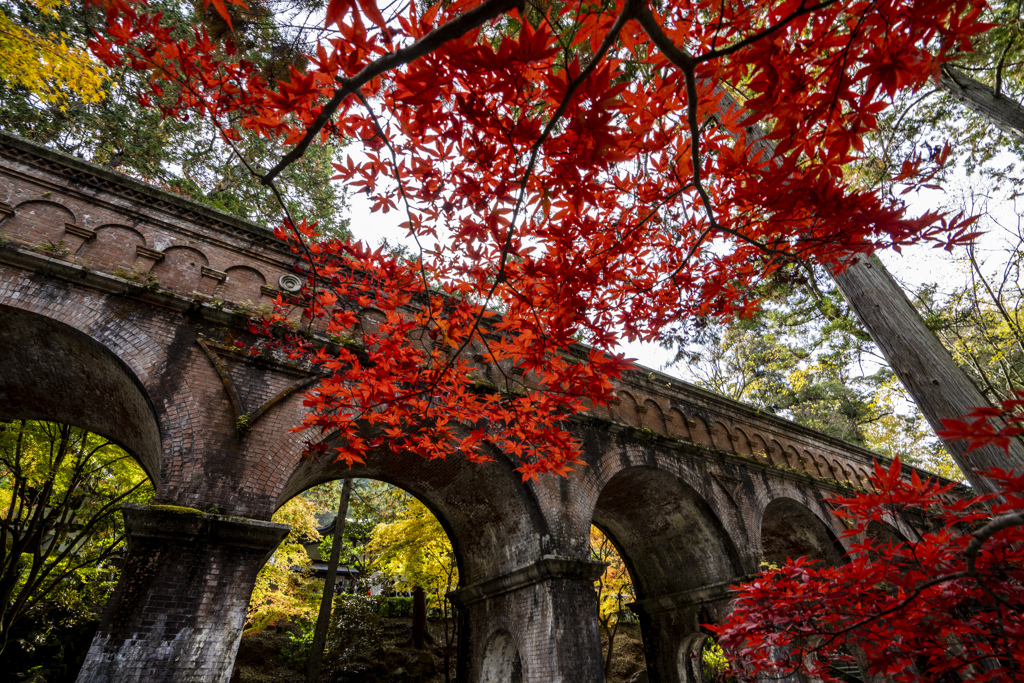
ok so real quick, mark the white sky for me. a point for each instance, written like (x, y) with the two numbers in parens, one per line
(916, 266)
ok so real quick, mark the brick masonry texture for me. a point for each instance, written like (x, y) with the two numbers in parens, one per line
(118, 306)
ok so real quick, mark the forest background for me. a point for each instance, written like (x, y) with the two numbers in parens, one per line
(803, 355)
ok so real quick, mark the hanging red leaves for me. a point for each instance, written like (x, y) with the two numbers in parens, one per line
(945, 602)
(592, 172)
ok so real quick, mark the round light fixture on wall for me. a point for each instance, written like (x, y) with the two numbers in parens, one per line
(290, 283)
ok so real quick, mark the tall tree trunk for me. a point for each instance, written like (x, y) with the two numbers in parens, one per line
(1003, 112)
(316, 653)
(927, 370)
(419, 618)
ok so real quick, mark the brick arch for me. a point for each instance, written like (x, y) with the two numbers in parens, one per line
(792, 456)
(37, 222)
(626, 411)
(777, 455)
(462, 495)
(181, 269)
(699, 432)
(114, 246)
(810, 463)
(792, 525)
(660, 523)
(745, 445)
(827, 467)
(864, 477)
(50, 370)
(653, 417)
(721, 437)
(676, 426)
(500, 659)
(242, 285)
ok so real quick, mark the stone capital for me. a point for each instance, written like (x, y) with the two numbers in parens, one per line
(681, 600)
(161, 523)
(547, 568)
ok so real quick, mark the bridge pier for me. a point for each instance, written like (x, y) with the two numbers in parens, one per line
(537, 624)
(178, 611)
(671, 628)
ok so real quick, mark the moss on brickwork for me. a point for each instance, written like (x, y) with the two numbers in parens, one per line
(177, 510)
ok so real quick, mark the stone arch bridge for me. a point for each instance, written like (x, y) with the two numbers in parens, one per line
(111, 319)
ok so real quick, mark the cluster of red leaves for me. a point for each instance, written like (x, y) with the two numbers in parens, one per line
(945, 605)
(432, 374)
(981, 432)
(594, 170)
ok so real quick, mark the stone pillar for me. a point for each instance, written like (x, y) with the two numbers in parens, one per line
(537, 624)
(671, 630)
(178, 611)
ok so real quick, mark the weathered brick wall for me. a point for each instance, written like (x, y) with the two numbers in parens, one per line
(118, 312)
(182, 597)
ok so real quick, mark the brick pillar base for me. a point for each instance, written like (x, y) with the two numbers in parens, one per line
(178, 611)
(537, 624)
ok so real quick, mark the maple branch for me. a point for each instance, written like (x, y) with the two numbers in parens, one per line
(570, 90)
(456, 28)
(763, 33)
(986, 532)
(687, 64)
(678, 56)
(401, 191)
(978, 539)
(613, 33)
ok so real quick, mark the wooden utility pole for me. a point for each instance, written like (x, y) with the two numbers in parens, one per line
(937, 384)
(1003, 112)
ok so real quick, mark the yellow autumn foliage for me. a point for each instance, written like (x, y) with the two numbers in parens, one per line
(615, 587)
(285, 588)
(45, 64)
(415, 551)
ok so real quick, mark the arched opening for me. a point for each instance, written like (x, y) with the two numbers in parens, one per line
(790, 530)
(51, 371)
(701, 660)
(494, 522)
(501, 661)
(678, 553)
(64, 542)
(390, 614)
(621, 643)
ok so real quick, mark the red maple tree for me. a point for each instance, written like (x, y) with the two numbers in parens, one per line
(592, 171)
(944, 605)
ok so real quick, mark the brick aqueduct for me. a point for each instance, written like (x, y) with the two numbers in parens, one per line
(110, 319)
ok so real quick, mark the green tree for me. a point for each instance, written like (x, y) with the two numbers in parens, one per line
(952, 111)
(804, 357)
(414, 551)
(788, 359)
(982, 323)
(61, 531)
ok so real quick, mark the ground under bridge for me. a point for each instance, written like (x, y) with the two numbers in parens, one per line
(116, 299)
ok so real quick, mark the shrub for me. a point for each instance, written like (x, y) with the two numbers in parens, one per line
(395, 607)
